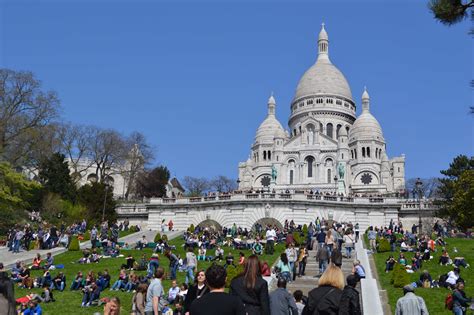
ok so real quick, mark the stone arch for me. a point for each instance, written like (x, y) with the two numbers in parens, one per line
(212, 224)
(266, 221)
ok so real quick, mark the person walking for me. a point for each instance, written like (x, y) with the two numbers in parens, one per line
(217, 302)
(326, 298)
(460, 301)
(252, 289)
(284, 267)
(357, 232)
(410, 303)
(196, 291)
(281, 301)
(155, 296)
(329, 242)
(191, 265)
(372, 236)
(174, 262)
(350, 302)
(270, 236)
(349, 243)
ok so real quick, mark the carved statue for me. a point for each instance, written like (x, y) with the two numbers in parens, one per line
(341, 170)
(274, 173)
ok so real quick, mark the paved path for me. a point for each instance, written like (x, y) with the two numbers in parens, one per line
(9, 259)
(309, 281)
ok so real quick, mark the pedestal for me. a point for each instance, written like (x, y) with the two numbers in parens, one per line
(341, 187)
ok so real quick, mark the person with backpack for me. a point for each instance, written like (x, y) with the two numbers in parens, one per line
(460, 301)
(326, 298)
(410, 303)
(350, 301)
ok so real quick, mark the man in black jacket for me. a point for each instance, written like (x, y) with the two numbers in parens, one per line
(350, 303)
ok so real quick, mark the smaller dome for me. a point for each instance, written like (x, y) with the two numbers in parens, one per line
(343, 132)
(366, 127)
(269, 129)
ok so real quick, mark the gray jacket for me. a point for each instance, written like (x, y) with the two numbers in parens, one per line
(282, 303)
(411, 304)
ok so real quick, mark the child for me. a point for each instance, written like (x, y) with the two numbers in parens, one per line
(298, 295)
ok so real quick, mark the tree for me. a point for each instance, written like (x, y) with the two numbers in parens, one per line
(450, 12)
(25, 114)
(223, 184)
(153, 183)
(94, 196)
(108, 152)
(196, 186)
(140, 154)
(456, 189)
(16, 195)
(55, 177)
(430, 186)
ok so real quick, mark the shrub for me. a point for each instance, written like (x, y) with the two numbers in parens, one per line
(133, 229)
(298, 239)
(74, 245)
(384, 245)
(400, 276)
(87, 236)
(164, 238)
(33, 244)
(191, 228)
(305, 229)
(157, 238)
(233, 272)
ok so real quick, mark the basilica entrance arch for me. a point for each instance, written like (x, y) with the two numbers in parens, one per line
(264, 222)
(211, 224)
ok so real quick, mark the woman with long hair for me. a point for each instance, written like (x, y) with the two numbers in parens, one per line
(327, 296)
(284, 267)
(251, 288)
(197, 290)
(329, 242)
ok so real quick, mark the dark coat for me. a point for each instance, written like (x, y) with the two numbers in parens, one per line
(193, 294)
(256, 300)
(350, 302)
(326, 302)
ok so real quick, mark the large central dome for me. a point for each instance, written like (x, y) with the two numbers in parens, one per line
(323, 77)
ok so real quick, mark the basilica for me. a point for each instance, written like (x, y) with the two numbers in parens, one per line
(327, 148)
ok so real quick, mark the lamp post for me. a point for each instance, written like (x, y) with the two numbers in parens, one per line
(419, 193)
(335, 184)
(106, 186)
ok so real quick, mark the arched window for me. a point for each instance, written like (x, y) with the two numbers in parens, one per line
(337, 130)
(363, 151)
(329, 176)
(269, 154)
(329, 132)
(342, 156)
(352, 154)
(294, 131)
(300, 129)
(347, 129)
(291, 177)
(368, 151)
(310, 160)
(264, 155)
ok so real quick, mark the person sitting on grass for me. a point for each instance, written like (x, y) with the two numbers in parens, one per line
(153, 264)
(404, 247)
(444, 258)
(257, 248)
(90, 294)
(129, 262)
(49, 262)
(229, 260)
(425, 280)
(389, 263)
(173, 292)
(460, 301)
(36, 262)
(460, 261)
(85, 257)
(142, 264)
(59, 282)
(45, 280)
(121, 281)
(33, 308)
(132, 283)
(402, 260)
(94, 257)
(219, 254)
(201, 253)
(453, 277)
(77, 283)
(416, 261)
(179, 306)
(47, 295)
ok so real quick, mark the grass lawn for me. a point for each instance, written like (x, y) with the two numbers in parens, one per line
(435, 297)
(69, 302)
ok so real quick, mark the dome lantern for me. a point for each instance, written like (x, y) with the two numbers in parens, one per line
(323, 44)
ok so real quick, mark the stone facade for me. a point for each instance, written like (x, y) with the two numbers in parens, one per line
(327, 148)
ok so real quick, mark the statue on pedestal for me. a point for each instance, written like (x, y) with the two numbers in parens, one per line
(274, 173)
(341, 170)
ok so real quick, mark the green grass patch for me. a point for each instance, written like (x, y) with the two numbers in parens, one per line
(434, 297)
(69, 302)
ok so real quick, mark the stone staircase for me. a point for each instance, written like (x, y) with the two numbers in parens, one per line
(308, 282)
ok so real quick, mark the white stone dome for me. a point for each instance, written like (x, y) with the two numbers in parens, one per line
(270, 128)
(366, 127)
(323, 78)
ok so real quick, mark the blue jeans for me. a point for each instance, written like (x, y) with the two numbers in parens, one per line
(152, 267)
(457, 310)
(348, 251)
(189, 275)
(173, 269)
(75, 285)
(117, 285)
(330, 247)
(16, 246)
(129, 286)
(286, 275)
(56, 286)
(323, 264)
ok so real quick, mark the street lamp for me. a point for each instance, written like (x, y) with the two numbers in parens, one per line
(419, 193)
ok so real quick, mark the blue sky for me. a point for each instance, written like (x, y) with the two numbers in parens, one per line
(195, 77)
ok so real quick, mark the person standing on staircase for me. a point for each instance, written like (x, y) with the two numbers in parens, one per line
(281, 301)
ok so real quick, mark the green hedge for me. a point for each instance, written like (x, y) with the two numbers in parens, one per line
(157, 238)
(74, 245)
(384, 245)
(233, 272)
(400, 276)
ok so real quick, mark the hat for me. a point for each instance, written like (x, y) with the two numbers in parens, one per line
(408, 288)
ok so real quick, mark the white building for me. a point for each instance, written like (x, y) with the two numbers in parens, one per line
(327, 147)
